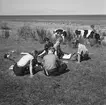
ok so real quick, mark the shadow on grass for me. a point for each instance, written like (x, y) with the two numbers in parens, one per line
(59, 73)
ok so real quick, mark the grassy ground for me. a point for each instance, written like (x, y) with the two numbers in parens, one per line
(84, 84)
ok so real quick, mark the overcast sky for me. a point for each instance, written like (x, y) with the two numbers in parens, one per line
(52, 7)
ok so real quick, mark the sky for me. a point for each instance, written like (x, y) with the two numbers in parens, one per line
(52, 7)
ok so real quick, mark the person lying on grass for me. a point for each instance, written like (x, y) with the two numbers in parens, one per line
(82, 52)
(59, 52)
(47, 45)
(52, 64)
(27, 64)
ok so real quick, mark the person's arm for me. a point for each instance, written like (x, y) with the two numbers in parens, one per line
(55, 52)
(8, 56)
(43, 63)
(58, 61)
(24, 53)
(79, 58)
(79, 54)
(30, 68)
(42, 53)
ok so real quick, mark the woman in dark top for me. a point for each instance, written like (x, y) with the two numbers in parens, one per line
(47, 45)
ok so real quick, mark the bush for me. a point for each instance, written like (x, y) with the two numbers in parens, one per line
(42, 33)
(26, 32)
(70, 34)
(5, 26)
(49, 35)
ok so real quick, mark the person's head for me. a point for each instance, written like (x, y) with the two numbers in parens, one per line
(51, 50)
(46, 40)
(9, 54)
(34, 53)
(79, 41)
(6, 56)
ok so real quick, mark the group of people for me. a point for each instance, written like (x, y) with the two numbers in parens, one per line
(51, 62)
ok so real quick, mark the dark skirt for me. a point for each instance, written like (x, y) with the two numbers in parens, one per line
(20, 71)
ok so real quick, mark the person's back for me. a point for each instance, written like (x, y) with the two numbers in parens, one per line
(82, 48)
(25, 60)
(52, 64)
(83, 53)
(50, 61)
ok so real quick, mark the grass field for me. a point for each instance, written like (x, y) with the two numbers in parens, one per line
(84, 84)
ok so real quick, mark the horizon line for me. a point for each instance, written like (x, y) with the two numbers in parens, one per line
(58, 15)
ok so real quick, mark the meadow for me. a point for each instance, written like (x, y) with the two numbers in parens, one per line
(84, 84)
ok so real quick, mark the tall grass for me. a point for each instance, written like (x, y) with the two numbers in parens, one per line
(70, 34)
(26, 32)
(49, 35)
(70, 37)
(41, 34)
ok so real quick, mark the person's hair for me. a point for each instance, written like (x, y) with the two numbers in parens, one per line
(77, 41)
(46, 39)
(52, 49)
(5, 56)
(34, 53)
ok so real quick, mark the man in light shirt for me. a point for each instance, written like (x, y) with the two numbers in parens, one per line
(52, 64)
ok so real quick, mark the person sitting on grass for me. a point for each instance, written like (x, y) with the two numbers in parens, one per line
(52, 64)
(27, 64)
(82, 52)
(47, 45)
(59, 52)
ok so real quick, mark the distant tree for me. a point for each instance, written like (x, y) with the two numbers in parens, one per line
(5, 30)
